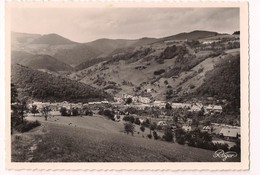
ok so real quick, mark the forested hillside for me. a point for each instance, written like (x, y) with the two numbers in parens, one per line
(223, 82)
(45, 87)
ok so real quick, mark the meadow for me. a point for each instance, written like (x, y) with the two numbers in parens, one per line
(97, 139)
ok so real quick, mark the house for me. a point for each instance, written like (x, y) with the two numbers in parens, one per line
(118, 100)
(213, 109)
(104, 102)
(141, 120)
(181, 105)
(186, 128)
(210, 42)
(195, 108)
(217, 109)
(206, 129)
(230, 133)
(148, 90)
(162, 123)
(144, 100)
(160, 104)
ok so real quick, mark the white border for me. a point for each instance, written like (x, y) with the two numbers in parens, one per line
(194, 165)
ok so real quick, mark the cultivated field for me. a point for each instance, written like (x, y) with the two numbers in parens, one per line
(96, 139)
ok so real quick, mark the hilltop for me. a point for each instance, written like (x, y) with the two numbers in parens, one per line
(52, 39)
(45, 62)
(194, 35)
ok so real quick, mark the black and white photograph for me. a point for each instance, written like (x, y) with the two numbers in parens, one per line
(119, 84)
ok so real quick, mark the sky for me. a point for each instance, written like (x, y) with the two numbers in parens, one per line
(88, 24)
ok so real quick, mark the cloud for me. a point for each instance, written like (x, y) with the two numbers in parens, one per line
(88, 24)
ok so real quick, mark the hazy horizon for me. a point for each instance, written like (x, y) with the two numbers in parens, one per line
(85, 25)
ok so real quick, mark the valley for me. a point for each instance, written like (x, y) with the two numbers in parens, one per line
(177, 98)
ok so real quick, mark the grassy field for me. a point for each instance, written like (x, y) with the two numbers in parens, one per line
(96, 139)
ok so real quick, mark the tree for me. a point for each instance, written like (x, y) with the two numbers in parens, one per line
(129, 128)
(63, 111)
(168, 136)
(14, 93)
(131, 119)
(236, 33)
(75, 112)
(34, 110)
(18, 113)
(168, 106)
(155, 135)
(142, 128)
(137, 121)
(19, 108)
(45, 111)
(153, 126)
(129, 100)
(88, 112)
(109, 114)
(180, 136)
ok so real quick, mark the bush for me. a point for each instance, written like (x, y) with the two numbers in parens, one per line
(236, 148)
(180, 136)
(200, 70)
(159, 72)
(192, 86)
(153, 126)
(129, 100)
(142, 128)
(168, 136)
(129, 128)
(155, 135)
(89, 113)
(137, 121)
(149, 136)
(63, 111)
(109, 114)
(131, 119)
(75, 112)
(131, 110)
(27, 126)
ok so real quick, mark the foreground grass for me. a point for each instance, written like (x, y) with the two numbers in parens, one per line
(54, 142)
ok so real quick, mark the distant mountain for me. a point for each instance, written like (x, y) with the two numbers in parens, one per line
(106, 46)
(90, 53)
(23, 38)
(19, 56)
(144, 41)
(52, 39)
(77, 54)
(42, 86)
(194, 35)
(39, 61)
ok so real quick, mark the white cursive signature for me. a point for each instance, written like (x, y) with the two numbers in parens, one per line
(224, 155)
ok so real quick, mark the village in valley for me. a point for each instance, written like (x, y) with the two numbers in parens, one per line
(161, 113)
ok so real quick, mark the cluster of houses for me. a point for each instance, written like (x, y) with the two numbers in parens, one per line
(143, 102)
(227, 132)
(58, 105)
